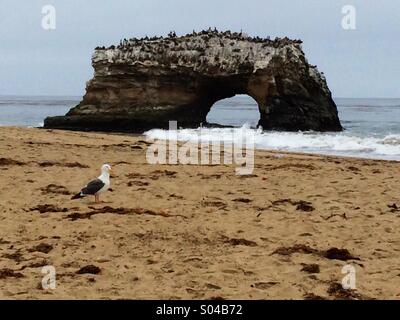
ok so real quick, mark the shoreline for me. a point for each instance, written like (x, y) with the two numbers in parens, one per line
(255, 149)
(192, 231)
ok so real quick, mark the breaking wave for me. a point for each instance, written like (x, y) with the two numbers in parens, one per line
(342, 143)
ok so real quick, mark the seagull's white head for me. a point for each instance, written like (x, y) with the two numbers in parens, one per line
(105, 168)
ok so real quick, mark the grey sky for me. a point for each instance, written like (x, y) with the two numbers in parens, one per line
(357, 63)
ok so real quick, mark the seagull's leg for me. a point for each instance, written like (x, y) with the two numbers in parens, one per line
(96, 198)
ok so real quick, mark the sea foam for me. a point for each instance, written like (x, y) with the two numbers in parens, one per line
(343, 143)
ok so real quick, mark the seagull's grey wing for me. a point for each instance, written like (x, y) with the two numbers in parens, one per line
(93, 187)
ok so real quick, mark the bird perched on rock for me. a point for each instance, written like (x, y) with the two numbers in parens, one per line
(96, 186)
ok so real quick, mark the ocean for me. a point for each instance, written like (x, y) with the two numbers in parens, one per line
(372, 126)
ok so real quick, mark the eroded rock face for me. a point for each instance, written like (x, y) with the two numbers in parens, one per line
(144, 83)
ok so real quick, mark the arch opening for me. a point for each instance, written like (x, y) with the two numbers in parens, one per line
(234, 112)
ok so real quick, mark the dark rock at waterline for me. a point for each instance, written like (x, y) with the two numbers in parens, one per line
(144, 83)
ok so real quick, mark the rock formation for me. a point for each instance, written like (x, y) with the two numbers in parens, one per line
(144, 83)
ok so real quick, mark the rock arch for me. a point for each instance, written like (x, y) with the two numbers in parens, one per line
(144, 83)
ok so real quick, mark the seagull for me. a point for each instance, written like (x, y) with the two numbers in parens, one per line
(96, 186)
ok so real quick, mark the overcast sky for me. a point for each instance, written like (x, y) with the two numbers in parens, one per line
(364, 62)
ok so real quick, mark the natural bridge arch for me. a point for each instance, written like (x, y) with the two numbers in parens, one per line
(144, 83)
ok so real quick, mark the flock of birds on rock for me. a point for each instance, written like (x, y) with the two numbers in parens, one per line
(132, 42)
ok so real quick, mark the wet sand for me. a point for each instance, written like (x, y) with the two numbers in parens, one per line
(192, 231)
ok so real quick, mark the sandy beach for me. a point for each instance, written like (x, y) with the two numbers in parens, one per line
(192, 231)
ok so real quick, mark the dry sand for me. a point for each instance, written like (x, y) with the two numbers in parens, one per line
(192, 232)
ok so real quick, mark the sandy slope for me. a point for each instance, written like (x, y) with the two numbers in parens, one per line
(192, 231)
